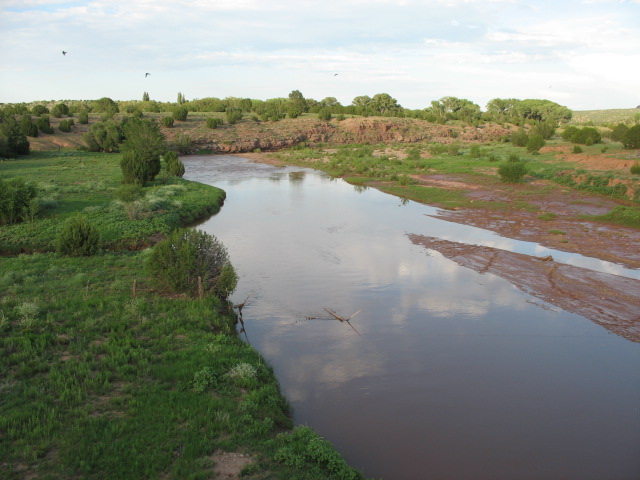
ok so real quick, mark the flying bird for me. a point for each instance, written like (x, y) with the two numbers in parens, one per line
(335, 74)
(63, 52)
(146, 75)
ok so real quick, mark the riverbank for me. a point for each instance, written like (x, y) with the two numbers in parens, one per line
(104, 374)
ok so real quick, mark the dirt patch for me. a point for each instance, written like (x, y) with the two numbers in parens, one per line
(229, 465)
(606, 299)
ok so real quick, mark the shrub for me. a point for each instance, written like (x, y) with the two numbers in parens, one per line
(635, 169)
(83, 117)
(512, 172)
(167, 122)
(632, 137)
(618, 132)
(569, 132)
(44, 125)
(16, 196)
(27, 127)
(59, 110)
(65, 125)
(174, 165)
(475, 151)
(182, 142)
(535, 143)
(577, 149)
(587, 136)
(519, 138)
(12, 141)
(141, 151)
(324, 114)
(214, 122)
(180, 114)
(78, 238)
(233, 115)
(177, 262)
(128, 192)
(39, 110)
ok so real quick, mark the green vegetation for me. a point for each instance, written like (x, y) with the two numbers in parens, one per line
(512, 172)
(78, 237)
(142, 148)
(105, 376)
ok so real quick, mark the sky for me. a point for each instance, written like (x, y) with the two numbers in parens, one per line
(583, 54)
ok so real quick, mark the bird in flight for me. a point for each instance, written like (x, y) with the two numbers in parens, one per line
(335, 74)
(146, 75)
(63, 52)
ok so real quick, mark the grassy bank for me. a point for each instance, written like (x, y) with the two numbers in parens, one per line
(101, 379)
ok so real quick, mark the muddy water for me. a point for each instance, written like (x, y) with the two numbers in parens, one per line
(448, 373)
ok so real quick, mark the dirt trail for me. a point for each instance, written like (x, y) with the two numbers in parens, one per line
(608, 300)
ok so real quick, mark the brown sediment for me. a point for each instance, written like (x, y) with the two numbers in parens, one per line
(608, 300)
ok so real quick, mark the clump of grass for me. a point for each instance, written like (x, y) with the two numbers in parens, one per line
(635, 169)
(28, 313)
(557, 232)
(547, 216)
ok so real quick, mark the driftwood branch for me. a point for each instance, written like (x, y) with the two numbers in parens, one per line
(342, 319)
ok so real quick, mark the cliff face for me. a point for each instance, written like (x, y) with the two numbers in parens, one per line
(249, 136)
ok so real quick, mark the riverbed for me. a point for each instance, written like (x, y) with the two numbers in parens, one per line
(444, 371)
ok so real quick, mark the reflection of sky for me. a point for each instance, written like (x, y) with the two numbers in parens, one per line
(432, 333)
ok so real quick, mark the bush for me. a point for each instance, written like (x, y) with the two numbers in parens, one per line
(128, 192)
(569, 132)
(16, 196)
(512, 172)
(141, 151)
(65, 125)
(324, 114)
(182, 142)
(27, 127)
(214, 122)
(104, 137)
(83, 117)
(618, 132)
(59, 110)
(180, 114)
(12, 141)
(78, 238)
(632, 137)
(535, 143)
(520, 138)
(44, 125)
(577, 149)
(233, 115)
(167, 122)
(635, 169)
(174, 165)
(177, 262)
(39, 110)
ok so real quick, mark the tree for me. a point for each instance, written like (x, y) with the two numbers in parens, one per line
(384, 103)
(39, 110)
(174, 165)
(145, 97)
(141, 150)
(181, 98)
(188, 254)
(297, 104)
(12, 141)
(632, 137)
(535, 142)
(104, 137)
(324, 114)
(618, 132)
(27, 127)
(105, 105)
(59, 110)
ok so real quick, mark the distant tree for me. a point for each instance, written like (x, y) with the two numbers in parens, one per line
(12, 141)
(632, 137)
(105, 105)
(181, 98)
(324, 114)
(384, 103)
(180, 113)
(363, 101)
(39, 110)
(44, 125)
(618, 132)
(141, 150)
(145, 97)
(59, 110)
(297, 104)
(27, 127)
(104, 137)
(83, 117)
(65, 125)
(234, 115)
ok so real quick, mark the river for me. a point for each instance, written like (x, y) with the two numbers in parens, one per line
(443, 372)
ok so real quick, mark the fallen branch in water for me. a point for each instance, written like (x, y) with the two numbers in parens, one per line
(342, 319)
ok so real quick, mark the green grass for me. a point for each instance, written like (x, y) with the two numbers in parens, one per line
(600, 117)
(87, 183)
(97, 383)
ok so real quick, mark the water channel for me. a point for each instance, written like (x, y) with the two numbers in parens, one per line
(447, 373)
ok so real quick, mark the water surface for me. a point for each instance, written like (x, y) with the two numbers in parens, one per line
(451, 374)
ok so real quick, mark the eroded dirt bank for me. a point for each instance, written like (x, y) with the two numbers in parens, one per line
(608, 300)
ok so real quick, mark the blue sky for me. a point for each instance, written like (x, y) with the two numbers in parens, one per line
(584, 54)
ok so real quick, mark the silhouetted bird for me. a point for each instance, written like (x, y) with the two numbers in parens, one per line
(146, 75)
(63, 52)
(335, 74)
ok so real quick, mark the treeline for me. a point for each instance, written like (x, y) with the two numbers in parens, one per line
(382, 104)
